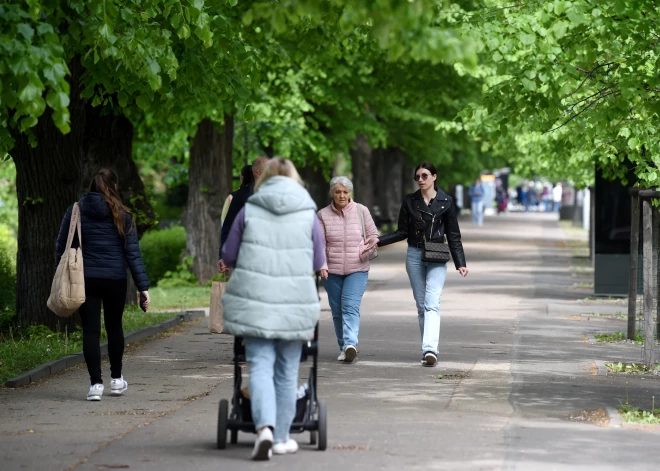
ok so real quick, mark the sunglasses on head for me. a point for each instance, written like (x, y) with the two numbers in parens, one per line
(423, 176)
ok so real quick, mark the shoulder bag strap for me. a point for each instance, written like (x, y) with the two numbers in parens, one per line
(74, 226)
(361, 214)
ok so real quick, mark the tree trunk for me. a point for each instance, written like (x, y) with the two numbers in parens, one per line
(387, 171)
(209, 183)
(316, 184)
(362, 177)
(53, 175)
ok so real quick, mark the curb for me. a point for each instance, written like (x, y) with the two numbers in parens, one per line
(602, 369)
(615, 417)
(63, 363)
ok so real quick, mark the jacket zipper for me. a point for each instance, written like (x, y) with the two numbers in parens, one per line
(345, 218)
(432, 221)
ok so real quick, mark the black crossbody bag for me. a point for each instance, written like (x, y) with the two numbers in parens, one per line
(435, 252)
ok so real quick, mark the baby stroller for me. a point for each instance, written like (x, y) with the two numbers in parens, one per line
(311, 414)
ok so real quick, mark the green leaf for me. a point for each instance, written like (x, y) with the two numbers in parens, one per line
(624, 132)
(122, 98)
(143, 102)
(175, 21)
(183, 32)
(233, 3)
(26, 30)
(527, 39)
(57, 100)
(28, 93)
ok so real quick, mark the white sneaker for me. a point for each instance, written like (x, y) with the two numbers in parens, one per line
(118, 386)
(95, 392)
(263, 446)
(290, 446)
(342, 356)
(350, 353)
(429, 359)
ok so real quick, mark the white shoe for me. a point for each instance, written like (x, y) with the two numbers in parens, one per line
(351, 353)
(429, 359)
(342, 356)
(118, 386)
(95, 392)
(263, 446)
(290, 446)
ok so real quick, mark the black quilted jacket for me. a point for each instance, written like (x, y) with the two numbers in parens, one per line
(438, 220)
(104, 255)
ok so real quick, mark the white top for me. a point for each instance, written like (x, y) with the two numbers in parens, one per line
(556, 194)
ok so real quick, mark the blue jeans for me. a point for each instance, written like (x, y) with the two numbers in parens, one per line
(478, 212)
(557, 206)
(427, 281)
(273, 368)
(345, 296)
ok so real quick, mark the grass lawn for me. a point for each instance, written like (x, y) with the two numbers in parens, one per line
(22, 349)
(179, 297)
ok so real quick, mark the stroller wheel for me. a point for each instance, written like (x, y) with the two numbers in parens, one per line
(223, 419)
(323, 425)
(312, 437)
(234, 437)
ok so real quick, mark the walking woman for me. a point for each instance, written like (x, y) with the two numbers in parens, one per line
(247, 179)
(275, 245)
(109, 243)
(347, 226)
(427, 215)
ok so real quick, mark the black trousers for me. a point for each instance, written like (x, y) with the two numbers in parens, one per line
(112, 295)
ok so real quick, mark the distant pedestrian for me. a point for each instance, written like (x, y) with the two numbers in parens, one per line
(477, 197)
(109, 244)
(532, 201)
(427, 215)
(247, 179)
(556, 196)
(501, 198)
(275, 245)
(347, 269)
(546, 197)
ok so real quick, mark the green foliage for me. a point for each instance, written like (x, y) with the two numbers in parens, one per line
(181, 276)
(162, 250)
(7, 283)
(569, 84)
(619, 337)
(636, 415)
(8, 199)
(628, 368)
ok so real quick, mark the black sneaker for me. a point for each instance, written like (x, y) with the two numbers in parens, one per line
(430, 359)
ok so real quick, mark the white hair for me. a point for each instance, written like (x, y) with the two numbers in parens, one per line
(343, 181)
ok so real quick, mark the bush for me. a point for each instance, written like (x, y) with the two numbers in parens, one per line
(162, 250)
(182, 276)
(7, 283)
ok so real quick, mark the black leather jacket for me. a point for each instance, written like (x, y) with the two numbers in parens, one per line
(439, 220)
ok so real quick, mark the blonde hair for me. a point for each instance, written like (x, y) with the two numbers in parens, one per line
(278, 166)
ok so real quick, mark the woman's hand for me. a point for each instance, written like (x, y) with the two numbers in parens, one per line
(463, 271)
(147, 302)
(371, 243)
(324, 274)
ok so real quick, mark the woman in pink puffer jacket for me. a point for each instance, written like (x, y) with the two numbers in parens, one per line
(344, 221)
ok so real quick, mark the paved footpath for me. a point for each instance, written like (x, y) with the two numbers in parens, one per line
(517, 373)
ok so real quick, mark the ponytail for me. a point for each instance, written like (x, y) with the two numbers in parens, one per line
(105, 181)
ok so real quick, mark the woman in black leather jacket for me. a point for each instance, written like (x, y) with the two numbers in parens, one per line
(428, 214)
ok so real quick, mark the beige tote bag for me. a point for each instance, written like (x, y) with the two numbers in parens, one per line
(215, 312)
(67, 292)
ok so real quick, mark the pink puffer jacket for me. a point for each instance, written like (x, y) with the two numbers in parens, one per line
(343, 238)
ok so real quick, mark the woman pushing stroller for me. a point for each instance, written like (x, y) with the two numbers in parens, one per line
(275, 244)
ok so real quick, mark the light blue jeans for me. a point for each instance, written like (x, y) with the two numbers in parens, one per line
(427, 281)
(273, 368)
(478, 212)
(345, 296)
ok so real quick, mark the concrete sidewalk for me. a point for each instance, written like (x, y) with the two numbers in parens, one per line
(517, 377)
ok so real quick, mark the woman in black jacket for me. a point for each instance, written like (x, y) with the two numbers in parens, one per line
(109, 243)
(428, 214)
